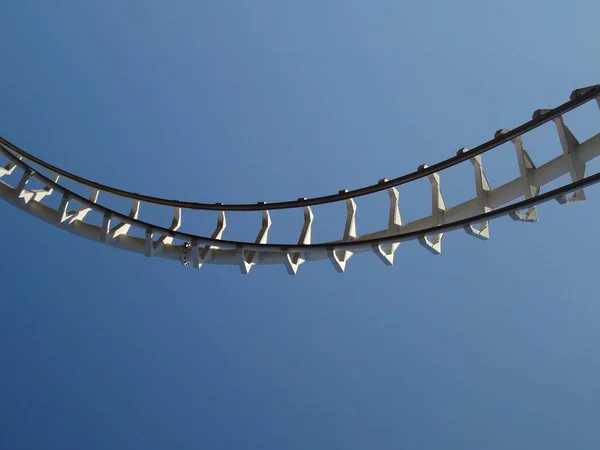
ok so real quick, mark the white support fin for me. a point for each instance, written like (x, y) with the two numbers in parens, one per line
(253, 257)
(339, 258)
(123, 227)
(526, 169)
(245, 266)
(339, 264)
(105, 229)
(35, 194)
(293, 260)
(200, 255)
(9, 168)
(290, 265)
(386, 252)
(438, 209)
(70, 217)
(148, 243)
(570, 146)
(159, 245)
(62, 209)
(20, 189)
(152, 248)
(482, 186)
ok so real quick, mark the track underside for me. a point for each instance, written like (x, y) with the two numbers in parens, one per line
(119, 229)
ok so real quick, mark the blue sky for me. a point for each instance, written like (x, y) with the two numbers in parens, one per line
(491, 345)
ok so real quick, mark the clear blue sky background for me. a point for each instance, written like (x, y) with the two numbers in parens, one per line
(490, 346)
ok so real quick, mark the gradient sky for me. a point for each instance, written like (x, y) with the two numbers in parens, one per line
(493, 345)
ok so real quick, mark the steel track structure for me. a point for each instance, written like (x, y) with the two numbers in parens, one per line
(115, 228)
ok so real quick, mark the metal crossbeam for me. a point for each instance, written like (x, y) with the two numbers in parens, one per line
(473, 215)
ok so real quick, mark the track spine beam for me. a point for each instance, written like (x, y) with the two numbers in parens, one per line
(472, 215)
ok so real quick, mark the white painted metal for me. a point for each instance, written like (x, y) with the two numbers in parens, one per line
(386, 252)
(528, 187)
(339, 258)
(71, 217)
(37, 194)
(570, 144)
(253, 256)
(123, 227)
(200, 255)
(438, 212)
(9, 168)
(293, 260)
(155, 248)
(482, 188)
(473, 215)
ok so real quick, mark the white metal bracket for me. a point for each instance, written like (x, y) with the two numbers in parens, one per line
(526, 169)
(105, 228)
(339, 258)
(570, 146)
(201, 255)
(155, 248)
(253, 257)
(123, 227)
(70, 217)
(9, 168)
(438, 208)
(482, 186)
(386, 252)
(293, 260)
(35, 194)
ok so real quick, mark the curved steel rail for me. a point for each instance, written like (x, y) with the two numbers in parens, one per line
(473, 215)
(578, 98)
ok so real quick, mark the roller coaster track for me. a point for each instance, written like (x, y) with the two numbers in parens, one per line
(116, 229)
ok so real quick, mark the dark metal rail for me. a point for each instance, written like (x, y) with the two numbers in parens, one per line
(578, 98)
